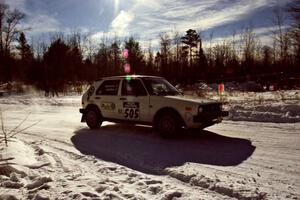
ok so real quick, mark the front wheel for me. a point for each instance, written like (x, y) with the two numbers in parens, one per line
(167, 125)
(93, 119)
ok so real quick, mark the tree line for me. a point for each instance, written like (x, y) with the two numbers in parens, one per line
(74, 58)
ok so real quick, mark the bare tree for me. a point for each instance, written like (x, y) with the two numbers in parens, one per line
(222, 54)
(3, 11)
(294, 11)
(211, 35)
(248, 44)
(39, 45)
(234, 53)
(115, 52)
(266, 58)
(9, 21)
(150, 59)
(7, 135)
(280, 34)
(165, 47)
(88, 46)
(176, 42)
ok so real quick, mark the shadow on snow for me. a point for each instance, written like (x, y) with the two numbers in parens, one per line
(139, 148)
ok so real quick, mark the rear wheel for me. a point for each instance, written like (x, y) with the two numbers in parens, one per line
(93, 119)
(167, 124)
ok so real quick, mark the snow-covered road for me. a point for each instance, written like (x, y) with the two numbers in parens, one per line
(60, 158)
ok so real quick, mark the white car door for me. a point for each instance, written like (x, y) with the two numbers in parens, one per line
(106, 97)
(134, 101)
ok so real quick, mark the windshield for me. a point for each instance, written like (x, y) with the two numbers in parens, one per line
(160, 86)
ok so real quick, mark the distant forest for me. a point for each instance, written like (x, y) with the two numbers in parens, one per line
(74, 59)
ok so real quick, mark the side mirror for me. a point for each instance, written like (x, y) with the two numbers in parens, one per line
(181, 91)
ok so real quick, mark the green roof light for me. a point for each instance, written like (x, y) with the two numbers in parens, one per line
(128, 78)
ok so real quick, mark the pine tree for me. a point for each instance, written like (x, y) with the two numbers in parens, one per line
(135, 56)
(191, 39)
(25, 51)
(102, 61)
(57, 69)
(24, 68)
(115, 52)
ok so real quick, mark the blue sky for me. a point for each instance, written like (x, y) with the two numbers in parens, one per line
(148, 18)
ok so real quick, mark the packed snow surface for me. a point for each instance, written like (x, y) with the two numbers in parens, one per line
(60, 158)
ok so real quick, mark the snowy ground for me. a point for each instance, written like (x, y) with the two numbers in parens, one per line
(60, 158)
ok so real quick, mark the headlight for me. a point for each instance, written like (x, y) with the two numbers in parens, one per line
(200, 109)
(90, 91)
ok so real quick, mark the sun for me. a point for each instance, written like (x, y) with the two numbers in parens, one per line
(117, 2)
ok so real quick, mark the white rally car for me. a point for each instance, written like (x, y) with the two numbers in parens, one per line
(146, 100)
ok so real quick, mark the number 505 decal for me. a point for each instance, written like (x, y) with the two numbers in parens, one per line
(131, 113)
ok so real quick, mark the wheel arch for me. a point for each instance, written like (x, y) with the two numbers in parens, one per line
(168, 110)
(92, 107)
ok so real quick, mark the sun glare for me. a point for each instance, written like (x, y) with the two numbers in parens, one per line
(116, 6)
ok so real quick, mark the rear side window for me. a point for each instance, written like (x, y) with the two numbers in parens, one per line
(133, 87)
(109, 87)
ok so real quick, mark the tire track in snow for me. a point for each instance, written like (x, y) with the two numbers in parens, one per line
(239, 190)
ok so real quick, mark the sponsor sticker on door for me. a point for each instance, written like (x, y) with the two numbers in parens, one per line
(108, 106)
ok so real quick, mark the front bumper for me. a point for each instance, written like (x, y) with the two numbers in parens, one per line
(208, 117)
(82, 111)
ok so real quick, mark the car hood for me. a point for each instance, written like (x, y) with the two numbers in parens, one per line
(191, 100)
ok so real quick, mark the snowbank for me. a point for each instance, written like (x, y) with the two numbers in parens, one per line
(19, 171)
(275, 112)
(277, 106)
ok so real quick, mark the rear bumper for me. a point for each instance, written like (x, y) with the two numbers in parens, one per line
(208, 117)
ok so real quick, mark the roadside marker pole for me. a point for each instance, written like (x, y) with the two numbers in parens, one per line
(221, 89)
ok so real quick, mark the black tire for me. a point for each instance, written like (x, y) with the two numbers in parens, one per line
(93, 119)
(167, 124)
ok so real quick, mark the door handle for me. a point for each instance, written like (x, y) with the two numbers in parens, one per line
(123, 98)
(97, 97)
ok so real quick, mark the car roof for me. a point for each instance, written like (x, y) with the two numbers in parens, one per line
(126, 76)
